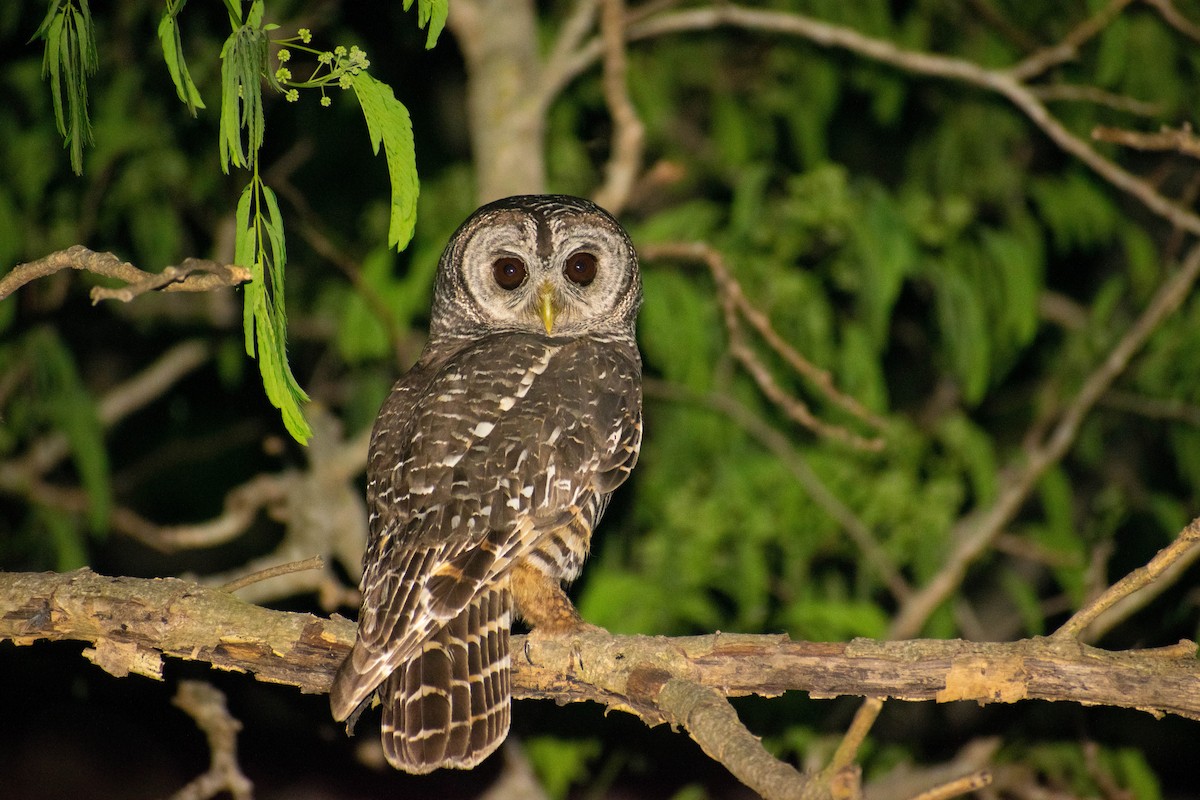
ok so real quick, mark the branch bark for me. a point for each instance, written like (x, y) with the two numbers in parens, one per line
(132, 623)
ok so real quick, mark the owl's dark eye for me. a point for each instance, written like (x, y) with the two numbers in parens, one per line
(580, 268)
(509, 272)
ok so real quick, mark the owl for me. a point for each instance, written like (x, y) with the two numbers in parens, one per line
(491, 462)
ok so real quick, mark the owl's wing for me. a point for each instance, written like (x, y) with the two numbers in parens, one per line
(472, 459)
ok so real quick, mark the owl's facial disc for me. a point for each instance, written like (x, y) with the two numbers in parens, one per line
(558, 276)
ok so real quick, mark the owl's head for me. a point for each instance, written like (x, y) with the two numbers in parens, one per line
(547, 264)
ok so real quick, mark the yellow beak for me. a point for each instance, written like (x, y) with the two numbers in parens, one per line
(545, 303)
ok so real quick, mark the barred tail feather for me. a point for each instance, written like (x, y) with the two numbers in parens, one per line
(449, 706)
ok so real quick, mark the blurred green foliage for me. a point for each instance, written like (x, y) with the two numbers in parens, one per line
(919, 240)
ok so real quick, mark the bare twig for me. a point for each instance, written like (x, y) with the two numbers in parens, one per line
(1014, 33)
(1175, 19)
(241, 506)
(193, 275)
(974, 534)
(1178, 140)
(1053, 92)
(1156, 408)
(1126, 607)
(120, 401)
(625, 160)
(315, 233)
(316, 562)
(1135, 581)
(571, 36)
(206, 705)
(856, 734)
(1066, 50)
(1003, 82)
(906, 779)
(735, 307)
(957, 787)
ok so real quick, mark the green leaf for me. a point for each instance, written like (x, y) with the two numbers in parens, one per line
(1077, 210)
(679, 329)
(70, 546)
(559, 763)
(69, 59)
(243, 66)
(431, 14)
(234, 8)
(69, 408)
(889, 255)
(1137, 775)
(1015, 262)
(963, 323)
(388, 123)
(168, 37)
(264, 317)
(244, 250)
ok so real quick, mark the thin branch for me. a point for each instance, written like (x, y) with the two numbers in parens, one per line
(1014, 33)
(571, 36)
(856, 734)
(241, 507)
(1128, 606)
(906, 780)
(958, 786)
(120, 401)
(625, 160)
(735, 307)
(316, 562)
(1175, 19)
(1135, 581)
(193, 275)
(1156, 408)
(1068, 49)
(1002, 82)
(1090, 94)
(974, 534)
(1179, 140)
(205, 703)
(314, 232)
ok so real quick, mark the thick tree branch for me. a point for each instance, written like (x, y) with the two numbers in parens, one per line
(132, 623)
(507, 120)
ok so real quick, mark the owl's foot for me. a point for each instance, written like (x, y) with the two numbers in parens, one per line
(543, 604)
(539, 637)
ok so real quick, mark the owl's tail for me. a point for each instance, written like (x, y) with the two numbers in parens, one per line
(450, 705)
